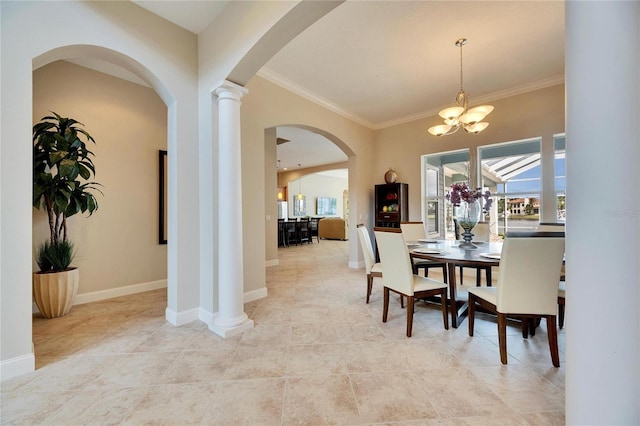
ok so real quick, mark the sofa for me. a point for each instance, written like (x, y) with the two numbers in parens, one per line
(332, 228)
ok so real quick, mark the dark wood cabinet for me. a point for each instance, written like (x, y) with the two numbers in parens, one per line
(391, 204)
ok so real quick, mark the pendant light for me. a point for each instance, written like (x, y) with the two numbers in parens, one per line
(459, 115)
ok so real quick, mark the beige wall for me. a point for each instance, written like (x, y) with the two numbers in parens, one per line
(535, 114)
(284, 177)
(124, 34)
(118, 245)
(290, 179)
(264, 107)
(316, 185)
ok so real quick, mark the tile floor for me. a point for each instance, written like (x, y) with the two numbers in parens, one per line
(317, 355)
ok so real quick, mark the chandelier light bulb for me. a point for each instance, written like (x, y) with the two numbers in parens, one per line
(451, 113)
(471, 118)
(482, 109)
(476, 128)
(439, 130)
(300, 196)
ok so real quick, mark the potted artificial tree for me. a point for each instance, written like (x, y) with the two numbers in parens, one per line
(60, 160)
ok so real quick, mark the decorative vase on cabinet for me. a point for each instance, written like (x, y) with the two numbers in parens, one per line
(391, 176)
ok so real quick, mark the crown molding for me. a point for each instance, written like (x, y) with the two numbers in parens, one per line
(514, 91)
(313, 97)
(519, 90)
(307, 94)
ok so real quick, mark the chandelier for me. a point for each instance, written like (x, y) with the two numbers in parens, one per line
(459, 115)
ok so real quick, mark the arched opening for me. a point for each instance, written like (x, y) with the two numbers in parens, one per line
(340, 156)
(138, 43)
(125, 108)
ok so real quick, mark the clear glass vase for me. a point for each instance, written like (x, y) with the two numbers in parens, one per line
(467, 215)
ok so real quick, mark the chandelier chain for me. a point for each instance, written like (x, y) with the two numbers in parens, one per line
(461, 87)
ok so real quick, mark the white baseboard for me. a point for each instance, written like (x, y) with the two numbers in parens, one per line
(17, 366)
(207, 317)
(272, 262)
(225, 332)
(181, 318)
(175, 318)
(250, 296)
(95, 296)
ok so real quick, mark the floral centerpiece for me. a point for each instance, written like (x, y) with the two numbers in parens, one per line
(462, 192)
(468, 209)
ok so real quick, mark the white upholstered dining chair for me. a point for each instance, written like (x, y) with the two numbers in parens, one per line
(373, 269)
(561, 299)
(398, 276)
(413, 232)
(527, 287)
(557, 227)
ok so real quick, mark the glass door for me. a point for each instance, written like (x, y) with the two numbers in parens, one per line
(432, 201)
(440, 171)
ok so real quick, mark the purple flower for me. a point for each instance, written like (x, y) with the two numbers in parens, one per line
(461, 192)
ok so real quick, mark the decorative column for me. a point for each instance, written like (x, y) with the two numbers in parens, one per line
(231, 318)
(603, 212)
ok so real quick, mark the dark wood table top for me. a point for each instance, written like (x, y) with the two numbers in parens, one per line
(487, 253)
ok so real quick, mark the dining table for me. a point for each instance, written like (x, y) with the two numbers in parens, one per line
(448, 251)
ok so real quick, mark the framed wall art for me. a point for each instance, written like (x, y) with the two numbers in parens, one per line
(163, 216)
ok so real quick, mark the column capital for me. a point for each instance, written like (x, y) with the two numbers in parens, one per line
(229, 90)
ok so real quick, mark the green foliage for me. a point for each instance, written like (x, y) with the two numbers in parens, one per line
(561, 202)
(55, 257)
(62, 165)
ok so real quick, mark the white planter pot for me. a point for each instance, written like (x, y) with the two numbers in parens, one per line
(54, 292)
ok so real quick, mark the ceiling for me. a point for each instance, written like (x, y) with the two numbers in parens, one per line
(192, 15)
(381, 63)
(304, 149)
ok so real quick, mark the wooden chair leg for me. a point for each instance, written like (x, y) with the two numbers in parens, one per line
(471, 313)
(369, 286)
(444, 273)
(488, 273)
(502, 337)
(560, 314)
(553, 339)
(461, 276)
(385, 304)
(525, 328)
(410, 300)
(533, 323)
(402, 301)
(529, 326)
(443, 301)
(478, 276)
